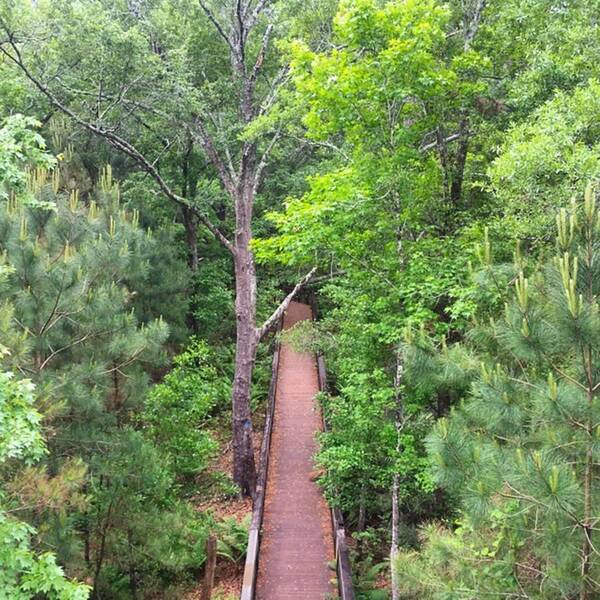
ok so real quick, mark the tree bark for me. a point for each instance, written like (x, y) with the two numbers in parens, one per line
(132, 573)
(244, 471)
(190, 223)
(587, 588)
(101, 550)
(247, 338)
(394, 548)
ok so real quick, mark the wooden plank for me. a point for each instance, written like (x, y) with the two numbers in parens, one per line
(249, 581)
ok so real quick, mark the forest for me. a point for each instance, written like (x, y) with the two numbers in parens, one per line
(176, 175)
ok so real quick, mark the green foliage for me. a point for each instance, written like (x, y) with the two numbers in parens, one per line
(21, 146)
(177, 410)
(25, 573)
(380, 212)
(80, 272)
(20, 422)
(547, 160)
(404, 139)
(232, 538)
(366, 585)
(519, 452)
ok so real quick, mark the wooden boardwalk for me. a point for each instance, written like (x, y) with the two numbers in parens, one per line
(297, 538)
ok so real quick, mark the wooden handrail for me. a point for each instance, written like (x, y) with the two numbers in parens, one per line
(342, 555)
(258, 504)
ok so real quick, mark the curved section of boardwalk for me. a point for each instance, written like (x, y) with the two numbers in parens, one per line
(297, 542)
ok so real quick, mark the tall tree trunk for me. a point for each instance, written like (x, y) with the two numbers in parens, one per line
(362, 517)
(587, 587)
(190, 219)
(101, 551)
(399, 423)
(190, 223)
(394, 548)
(247, 338)
(132, 573)
(587, 549)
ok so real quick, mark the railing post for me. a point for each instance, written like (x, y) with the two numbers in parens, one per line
(211, 563)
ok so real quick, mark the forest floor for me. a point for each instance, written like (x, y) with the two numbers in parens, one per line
(228, 574)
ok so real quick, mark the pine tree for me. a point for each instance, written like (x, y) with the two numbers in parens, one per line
(24, 572)
(521, 451)
(86, 329)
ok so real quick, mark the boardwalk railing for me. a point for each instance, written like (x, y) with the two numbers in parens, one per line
(342, 556)
(251, 566)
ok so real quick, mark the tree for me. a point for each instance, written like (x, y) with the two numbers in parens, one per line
(236, 147)
(25, 572)
(178, 407)
(84, 329)
(543, 161)
(521, 451)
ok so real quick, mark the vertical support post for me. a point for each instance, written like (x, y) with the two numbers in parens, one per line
(211, 563)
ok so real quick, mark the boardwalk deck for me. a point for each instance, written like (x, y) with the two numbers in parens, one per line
(297, 541)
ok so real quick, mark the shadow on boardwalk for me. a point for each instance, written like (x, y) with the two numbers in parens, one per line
(297, 542)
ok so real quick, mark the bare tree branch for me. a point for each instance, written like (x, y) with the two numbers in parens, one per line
(272, 321)
(265, 157)
(278, 81)
(450, 138)
(217, 25)
(214, 157)
(324, 278)
(260, 58)
(113, 139)
(241, 31)
(472, 26)
(258, 9)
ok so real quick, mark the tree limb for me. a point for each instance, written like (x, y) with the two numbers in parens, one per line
(328, 277)
(261, 54)
(472, 26)
(256, 13)
(278, 81)
(214, 157)
(272, 321)
(216, 24)
(113, 139)
(450, 138)
(265, 157)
